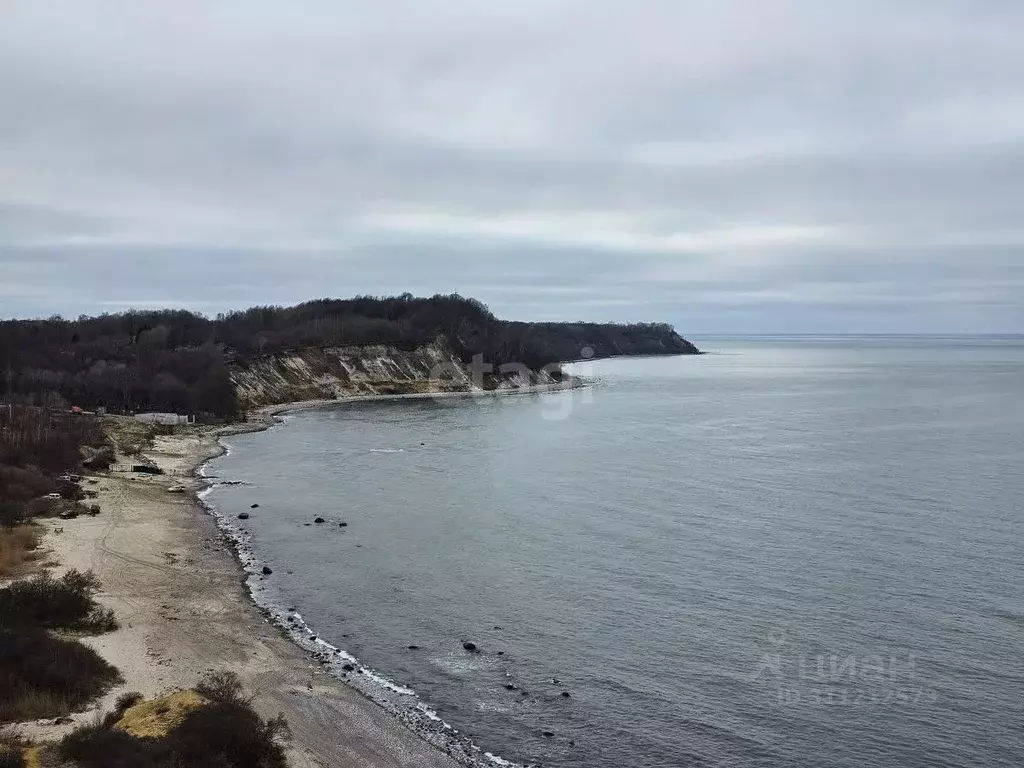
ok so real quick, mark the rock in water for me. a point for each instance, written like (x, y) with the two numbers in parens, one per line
(469, 646)
(319, 520)
(243, 516)
(267, 570)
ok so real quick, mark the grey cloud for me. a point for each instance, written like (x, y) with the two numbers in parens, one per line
(728, 166)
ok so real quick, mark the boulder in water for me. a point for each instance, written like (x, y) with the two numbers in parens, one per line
(471, 647)
(319, 520)
(267, 570)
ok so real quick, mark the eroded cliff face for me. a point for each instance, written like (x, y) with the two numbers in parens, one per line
(327, 373)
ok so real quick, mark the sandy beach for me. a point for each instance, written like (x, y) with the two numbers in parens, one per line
(175, 586)
(174, 582)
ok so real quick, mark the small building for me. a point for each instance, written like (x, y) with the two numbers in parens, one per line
(166, 419)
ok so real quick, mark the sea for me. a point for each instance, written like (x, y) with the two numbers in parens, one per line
(788, 551)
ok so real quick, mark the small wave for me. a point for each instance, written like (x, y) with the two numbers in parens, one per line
(454, 665)
(387, 450)
(493, 706)
(399, 700)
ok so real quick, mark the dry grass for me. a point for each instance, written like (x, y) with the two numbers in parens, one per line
(211, 726)
(155, 719)
(18, 546)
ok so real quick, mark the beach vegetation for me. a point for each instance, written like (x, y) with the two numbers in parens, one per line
(12, 749)
(42, 675)
(19, 546)
(66, 603)
(214, 726)
(156, 718)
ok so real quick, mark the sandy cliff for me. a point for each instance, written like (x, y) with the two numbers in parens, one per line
(326, 373)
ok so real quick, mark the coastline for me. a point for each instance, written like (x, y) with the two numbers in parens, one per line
(270, 411)
(180, 581)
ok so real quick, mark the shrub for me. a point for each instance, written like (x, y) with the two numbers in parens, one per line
(127, 700)
(221, 687)
(230, 734)
(124, 702)
(46, 676)
(65, 603)
(225, 732)
(17, 546)
(97, 746)
(11, 749)
(11, 757)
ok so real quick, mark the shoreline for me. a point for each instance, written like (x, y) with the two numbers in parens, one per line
(279, 409)
(177, 578)
(400, 702)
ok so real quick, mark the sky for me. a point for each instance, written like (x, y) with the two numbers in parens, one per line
(729, 166)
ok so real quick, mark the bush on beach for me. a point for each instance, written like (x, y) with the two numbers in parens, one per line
(46, 676)
(11, 749)
(42, 675)
(224, 731)
(65, 603)
(18, 546)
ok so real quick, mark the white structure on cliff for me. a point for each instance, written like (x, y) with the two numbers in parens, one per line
(167, 419)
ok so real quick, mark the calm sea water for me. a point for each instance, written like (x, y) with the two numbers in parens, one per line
(788, 552)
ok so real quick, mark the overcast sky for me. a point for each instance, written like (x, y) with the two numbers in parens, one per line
(728, 166)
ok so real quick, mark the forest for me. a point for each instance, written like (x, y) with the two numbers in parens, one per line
(179, 361)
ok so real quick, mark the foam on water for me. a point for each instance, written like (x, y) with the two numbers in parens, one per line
(399, 700)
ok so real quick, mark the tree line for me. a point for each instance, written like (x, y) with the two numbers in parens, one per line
(179, 361)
